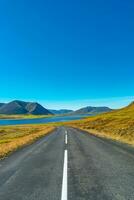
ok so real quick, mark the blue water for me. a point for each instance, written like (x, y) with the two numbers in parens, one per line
(40, 120)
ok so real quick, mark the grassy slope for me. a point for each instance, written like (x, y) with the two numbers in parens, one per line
(25, 116)
(117, 124)
(14, 137)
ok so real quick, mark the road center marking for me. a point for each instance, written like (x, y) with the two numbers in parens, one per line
(64, 180)
(66, 139)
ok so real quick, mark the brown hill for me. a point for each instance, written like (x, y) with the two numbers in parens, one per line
(117, 124)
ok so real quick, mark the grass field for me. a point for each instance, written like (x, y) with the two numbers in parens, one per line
(26, 116)
(14, 137)
(118, 125)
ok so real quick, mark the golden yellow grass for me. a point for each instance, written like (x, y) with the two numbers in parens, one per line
(117, 125)
(14, 137)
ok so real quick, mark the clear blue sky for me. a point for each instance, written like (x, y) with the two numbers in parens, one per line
(65, 52)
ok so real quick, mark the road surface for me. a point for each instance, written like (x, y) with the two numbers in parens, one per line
(69, 164)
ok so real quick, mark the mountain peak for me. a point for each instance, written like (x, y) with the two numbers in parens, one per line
(22, 107)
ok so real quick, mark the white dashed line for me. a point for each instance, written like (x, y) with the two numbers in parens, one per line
(66, 139)
(64, 181)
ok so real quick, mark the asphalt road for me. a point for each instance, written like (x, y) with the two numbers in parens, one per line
(69, 164)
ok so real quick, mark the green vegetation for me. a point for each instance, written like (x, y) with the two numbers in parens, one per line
(14, 137)
(23, 116)
(118, 124)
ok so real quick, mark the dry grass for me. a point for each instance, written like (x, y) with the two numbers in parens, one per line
(14, 137)
(117, 125)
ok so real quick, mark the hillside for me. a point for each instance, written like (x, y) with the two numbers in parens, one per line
(117, 124)
(37, 109)
(61, 111)
(91, 110)
(22, 107)
(1, 104)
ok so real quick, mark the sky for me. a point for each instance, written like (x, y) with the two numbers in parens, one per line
(67, 53)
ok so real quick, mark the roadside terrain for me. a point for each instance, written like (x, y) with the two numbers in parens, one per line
(117, 124)
(14, 137)
(96, 169)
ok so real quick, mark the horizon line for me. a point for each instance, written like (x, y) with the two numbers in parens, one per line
(112, 102)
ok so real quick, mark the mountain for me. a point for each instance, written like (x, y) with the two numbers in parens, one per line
(22, 107)
(37, 109)
(85, 110)
(92, 110)
(1, 104)
(61, 111)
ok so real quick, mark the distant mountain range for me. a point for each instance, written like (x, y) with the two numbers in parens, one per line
(61, 111)
(22, 107)
(85, 110)
(92, 110)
